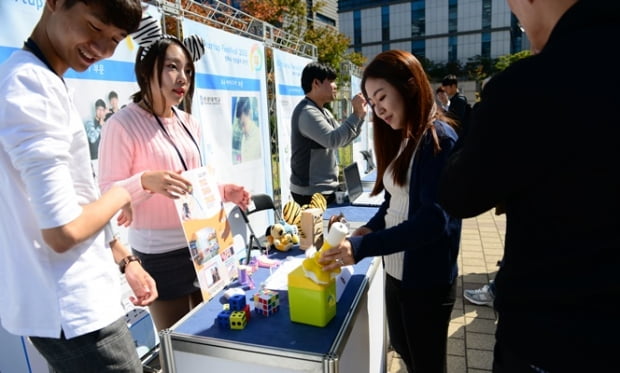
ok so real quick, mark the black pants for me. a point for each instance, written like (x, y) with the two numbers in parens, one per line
(506, 361)
(304, 200)
(418, 323)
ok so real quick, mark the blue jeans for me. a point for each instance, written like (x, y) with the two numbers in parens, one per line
(110, 349)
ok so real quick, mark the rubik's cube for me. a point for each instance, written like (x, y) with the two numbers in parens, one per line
(266, 302)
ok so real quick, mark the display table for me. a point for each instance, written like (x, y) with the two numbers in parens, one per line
(276, 344)
(354, 214)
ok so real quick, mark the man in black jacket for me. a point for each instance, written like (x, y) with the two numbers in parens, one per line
(556, 173)
(458, 108)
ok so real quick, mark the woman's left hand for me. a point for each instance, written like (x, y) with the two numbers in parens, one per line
(237, 195)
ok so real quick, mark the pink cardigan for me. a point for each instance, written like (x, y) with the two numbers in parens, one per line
(133, 142)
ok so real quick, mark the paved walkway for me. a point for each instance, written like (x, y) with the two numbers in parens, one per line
(471, 333)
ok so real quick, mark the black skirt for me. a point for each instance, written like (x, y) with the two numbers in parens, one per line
(173, 272)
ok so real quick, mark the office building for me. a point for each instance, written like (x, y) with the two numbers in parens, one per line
(441, 30)
(326, 14)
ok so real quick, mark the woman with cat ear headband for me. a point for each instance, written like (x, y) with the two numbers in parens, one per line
(145, 147)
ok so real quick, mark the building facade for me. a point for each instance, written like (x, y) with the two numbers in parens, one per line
(441, 30)
(326, 14)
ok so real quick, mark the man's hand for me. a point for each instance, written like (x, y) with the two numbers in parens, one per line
(125, 217)
(141, 283)
(359, 106)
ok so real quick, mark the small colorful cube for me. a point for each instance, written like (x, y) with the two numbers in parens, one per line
(237, 302)
(223, 319)
(266, 302)
(238, 320)
(246, 309)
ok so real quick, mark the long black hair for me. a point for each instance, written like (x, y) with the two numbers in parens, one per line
(152, 62)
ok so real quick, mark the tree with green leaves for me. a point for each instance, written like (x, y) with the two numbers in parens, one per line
(504, 61)
(292, 17)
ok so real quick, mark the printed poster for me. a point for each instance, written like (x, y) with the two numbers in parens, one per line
(208, 232)
(287, 75)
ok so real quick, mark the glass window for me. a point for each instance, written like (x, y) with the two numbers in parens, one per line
(452, 16)
(385, 23)
(418, 48)
(452, 49)
(418, 18)
(357, 28)
(486, 45)
(486, 14)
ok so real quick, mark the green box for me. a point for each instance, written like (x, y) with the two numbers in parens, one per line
(310, 303)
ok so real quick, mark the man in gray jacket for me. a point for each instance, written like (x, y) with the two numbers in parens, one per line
(316, 135)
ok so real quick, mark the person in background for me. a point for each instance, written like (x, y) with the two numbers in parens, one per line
(144, 148)
(418, 240)
(93, 128)
(458, 106)
(113, 100)
(316, 135)
(556, 174)
(484, 296)
(59, 284)
(442, 99)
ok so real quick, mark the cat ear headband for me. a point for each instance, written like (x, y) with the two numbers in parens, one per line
(149, 32)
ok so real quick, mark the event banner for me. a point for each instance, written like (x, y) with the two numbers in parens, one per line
(19, 17)
(363, 143)
(287, 76)
(230, 102)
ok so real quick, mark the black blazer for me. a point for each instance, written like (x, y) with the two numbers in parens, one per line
(541, 142)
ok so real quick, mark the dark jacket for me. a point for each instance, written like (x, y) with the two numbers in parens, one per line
(429, 237)
(539, 143)
(459, 110)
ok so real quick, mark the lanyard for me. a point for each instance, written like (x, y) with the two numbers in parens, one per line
(34, 48)
(161, 125)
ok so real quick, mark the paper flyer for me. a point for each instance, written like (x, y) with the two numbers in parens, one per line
(207, 232)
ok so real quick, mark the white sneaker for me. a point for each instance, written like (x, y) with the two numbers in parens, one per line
(482, 297)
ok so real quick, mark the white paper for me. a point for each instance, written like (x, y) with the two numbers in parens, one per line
(278, 280)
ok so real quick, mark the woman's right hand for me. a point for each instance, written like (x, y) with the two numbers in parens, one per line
(361, 231)
(167, 183)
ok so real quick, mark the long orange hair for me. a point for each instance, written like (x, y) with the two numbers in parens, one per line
(404, 72)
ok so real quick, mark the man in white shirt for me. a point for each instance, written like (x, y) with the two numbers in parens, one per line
(58, 281)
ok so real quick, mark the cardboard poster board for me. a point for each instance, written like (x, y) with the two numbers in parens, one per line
(208, 232)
